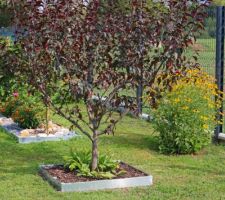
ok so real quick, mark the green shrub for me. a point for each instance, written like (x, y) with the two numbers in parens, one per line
(80, 163)
(8, 108)
(27, 117)
(185, 117)
(24, 108)
(8, 82)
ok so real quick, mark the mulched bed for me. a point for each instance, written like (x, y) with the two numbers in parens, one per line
(66, 176)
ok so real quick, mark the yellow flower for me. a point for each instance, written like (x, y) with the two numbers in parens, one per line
(177, 100)
(211, 105)
(220, 122)
(204, 118)
(206, 98)
(221, 113)
(196, 111)
(189, 100)
(205, 126)
(185, 107)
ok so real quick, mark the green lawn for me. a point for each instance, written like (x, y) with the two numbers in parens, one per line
(175, 177)
(207, 54)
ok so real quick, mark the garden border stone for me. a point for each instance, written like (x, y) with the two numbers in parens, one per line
(221, 136)
(13, 129)
(94, 185)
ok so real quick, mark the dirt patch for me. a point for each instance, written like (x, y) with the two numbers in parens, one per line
(66, 176)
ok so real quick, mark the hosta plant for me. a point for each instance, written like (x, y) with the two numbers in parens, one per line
(80, 162)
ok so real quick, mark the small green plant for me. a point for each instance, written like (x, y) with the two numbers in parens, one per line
(7, 108)
(29, 112)
(24, 108)
(185, 118)
(80, 162)
(27, 117)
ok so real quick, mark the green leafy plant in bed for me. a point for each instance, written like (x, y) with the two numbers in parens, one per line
(27, 117)
(29, 113)
(80, 163)
(24, 108)
(185, 118)
(7, 108)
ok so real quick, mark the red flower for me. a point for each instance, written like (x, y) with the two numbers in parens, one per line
(177, 72)
(16, 94)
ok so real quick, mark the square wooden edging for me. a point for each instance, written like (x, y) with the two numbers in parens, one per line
(95, 185)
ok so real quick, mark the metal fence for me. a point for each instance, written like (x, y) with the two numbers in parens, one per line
(220, 63)
(206, 43)
(210, 47)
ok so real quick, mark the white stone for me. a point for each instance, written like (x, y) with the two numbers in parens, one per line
(42, 135)
(37, 135)
(221, 136)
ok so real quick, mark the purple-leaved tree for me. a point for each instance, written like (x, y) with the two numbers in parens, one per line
(79, 50)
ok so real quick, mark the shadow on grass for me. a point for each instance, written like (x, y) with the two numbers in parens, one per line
(24, 158)
(134, 141)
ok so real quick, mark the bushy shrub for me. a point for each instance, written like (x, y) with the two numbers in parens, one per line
(8, 107)
(24, 109)
(7, 77)
(27, 117)
(10, 79)
(185, 117)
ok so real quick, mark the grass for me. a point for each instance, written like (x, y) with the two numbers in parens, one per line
(206, 49)
(184, 177)
(175, 177)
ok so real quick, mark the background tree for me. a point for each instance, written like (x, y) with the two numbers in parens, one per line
(157, 36)
(80, 50)
(5, 14)
(9, 77)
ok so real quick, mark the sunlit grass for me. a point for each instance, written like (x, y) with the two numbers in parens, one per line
(175, 177)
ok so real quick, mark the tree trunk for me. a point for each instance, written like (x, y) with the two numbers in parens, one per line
(94, 161)
(139, 97)
(47, 119)
(90, 74)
